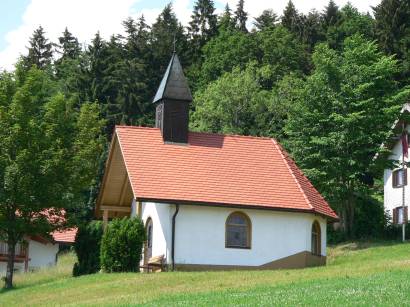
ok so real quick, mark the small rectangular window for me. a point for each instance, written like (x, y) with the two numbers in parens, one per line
(399, 178)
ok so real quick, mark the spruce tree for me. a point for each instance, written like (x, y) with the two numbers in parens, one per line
(68, 47)
(241, 16)
(266, 20)
(226, 20)
(40, 51)
(290, 16)
(331, 14)
(392, 27)
(165, 30)
(202, 26)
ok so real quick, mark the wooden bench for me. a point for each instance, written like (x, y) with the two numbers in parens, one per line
(155, 264)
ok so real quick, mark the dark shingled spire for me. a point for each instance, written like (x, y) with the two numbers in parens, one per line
(174, 85)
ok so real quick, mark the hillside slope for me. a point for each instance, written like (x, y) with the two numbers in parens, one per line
(356, 274)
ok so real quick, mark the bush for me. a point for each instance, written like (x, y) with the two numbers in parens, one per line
(121, 245)
(87, 247)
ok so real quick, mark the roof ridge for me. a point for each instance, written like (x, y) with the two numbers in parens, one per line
(279, 148)
(200, 132)
(234, 135)
(136, 127)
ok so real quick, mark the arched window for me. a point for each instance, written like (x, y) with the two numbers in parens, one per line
(316, 239)
(238, 231)
(148, 228)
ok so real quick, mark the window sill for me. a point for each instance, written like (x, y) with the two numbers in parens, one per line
(237, 247)
(399, 186)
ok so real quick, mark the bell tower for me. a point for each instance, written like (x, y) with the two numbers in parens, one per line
(172, 104)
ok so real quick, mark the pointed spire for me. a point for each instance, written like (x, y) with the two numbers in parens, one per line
(174, 85)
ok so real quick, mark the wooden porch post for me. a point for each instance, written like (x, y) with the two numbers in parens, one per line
(105, 219)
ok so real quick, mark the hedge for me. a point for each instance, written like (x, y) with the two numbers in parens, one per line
(121, 245)
(87, 247)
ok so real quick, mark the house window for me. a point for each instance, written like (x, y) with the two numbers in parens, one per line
(238, 231)
(316, 239)
(399, 177)
(400, 215)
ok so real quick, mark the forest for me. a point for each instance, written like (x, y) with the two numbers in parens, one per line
(327, 84)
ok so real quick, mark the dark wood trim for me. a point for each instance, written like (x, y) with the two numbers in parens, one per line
(114, 140)
(226, 205)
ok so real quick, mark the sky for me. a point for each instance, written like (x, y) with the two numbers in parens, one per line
(19, 18)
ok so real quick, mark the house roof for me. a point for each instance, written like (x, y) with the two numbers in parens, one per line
(65, 236)
(174, 85)
(221, 170)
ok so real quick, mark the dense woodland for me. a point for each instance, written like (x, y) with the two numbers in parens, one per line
(327, 84)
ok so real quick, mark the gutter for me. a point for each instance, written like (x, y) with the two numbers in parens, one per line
(173, 236)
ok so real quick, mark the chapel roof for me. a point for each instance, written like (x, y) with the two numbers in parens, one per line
(216, 169)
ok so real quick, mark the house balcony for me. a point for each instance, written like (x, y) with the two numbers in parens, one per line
(20, 253)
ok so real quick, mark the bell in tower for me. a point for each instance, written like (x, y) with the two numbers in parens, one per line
(172, 104)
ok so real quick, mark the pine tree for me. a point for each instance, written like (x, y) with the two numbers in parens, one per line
(202, 26)
(266, 20)
(40, 51)
(241, 16)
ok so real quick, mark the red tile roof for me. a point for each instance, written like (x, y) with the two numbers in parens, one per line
(217, 169)
(65, 236)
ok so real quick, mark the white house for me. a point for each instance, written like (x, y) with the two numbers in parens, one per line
(212, 201)
(396, 188)
(36, 252)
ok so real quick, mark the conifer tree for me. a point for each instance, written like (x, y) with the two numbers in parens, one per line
(69, 48)
(202, 26)
(40, 51)
(226, 20)
(266, 20)
(392, 27)
(165, 30)
(290, 16)
(331, 14)
(241, 16)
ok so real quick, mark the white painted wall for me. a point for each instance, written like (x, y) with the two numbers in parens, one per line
(200, 234)
(393, 196)
(161, 215)
(41, 255)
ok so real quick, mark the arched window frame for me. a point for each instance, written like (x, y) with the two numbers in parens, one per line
(249, 230)
(316, 237)
(147, 223)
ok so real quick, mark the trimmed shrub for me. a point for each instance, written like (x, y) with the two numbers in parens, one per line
(87, 247)
(121, 245)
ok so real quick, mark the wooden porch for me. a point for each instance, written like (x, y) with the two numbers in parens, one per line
(116, 194)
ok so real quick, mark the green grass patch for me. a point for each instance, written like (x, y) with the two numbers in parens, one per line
(358, 274)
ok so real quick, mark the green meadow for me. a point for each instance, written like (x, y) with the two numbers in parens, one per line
(357, 274)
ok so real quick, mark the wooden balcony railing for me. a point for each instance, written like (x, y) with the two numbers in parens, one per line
(20, 252)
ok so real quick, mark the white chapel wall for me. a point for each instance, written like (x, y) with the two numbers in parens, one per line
(200, 236)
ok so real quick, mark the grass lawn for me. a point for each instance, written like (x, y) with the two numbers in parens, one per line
(364, 274)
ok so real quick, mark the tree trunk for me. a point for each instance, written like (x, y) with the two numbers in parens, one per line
(10, 265)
